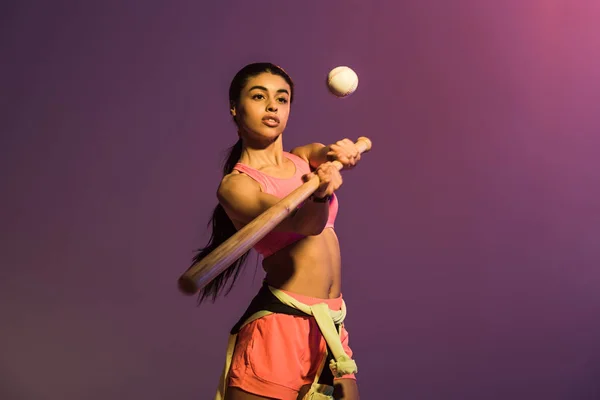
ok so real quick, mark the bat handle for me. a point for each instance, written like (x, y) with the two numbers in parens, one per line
(363, 144)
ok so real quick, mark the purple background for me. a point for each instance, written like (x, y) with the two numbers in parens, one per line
(470, 234)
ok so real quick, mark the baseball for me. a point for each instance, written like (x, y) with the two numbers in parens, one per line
(342, 81)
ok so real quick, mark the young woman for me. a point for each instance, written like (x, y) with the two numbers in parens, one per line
(283, 347)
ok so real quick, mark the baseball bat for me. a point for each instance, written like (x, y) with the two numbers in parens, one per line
(204, 271)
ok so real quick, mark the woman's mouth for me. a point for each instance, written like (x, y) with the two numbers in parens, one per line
(271, 121)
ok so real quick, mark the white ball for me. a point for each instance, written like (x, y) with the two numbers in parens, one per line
(342, 81)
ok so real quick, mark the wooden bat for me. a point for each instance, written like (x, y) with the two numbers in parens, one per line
(207, 269)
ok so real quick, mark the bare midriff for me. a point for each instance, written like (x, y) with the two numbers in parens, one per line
(309, 267)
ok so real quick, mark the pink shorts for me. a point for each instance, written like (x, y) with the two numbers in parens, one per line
(278, 354)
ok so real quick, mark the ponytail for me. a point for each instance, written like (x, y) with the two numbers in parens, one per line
(222, 229)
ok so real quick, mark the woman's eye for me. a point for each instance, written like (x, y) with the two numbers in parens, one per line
(258, 96)
(283, 100)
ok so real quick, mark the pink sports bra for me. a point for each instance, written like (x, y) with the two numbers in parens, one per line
(280, 187)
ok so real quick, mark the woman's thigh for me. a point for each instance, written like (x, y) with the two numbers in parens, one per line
(345, 389)
(234, 393)
(271, 357)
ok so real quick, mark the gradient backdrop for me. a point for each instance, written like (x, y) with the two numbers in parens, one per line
(470, 234)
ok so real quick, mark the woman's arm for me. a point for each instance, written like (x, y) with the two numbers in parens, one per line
(315, 154)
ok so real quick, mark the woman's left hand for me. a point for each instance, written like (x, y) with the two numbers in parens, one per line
(344, 151)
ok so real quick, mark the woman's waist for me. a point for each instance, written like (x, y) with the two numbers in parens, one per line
(318, 280)
(333, 302)
(310, 267)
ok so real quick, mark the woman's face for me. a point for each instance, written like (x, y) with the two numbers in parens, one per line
(264, 107)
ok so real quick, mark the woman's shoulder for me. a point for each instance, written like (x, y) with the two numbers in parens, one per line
(297, 159)
(237, 179)
(300, 153)
(308, 152)
(237, 185)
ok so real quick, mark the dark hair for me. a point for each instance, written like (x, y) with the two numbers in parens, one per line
(222, 227)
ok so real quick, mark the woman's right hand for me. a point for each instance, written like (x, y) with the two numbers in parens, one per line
(330, 179)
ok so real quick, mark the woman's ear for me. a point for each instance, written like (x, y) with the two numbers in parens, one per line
(232, 110)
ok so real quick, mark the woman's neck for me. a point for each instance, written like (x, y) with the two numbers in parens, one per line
(261, 157)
